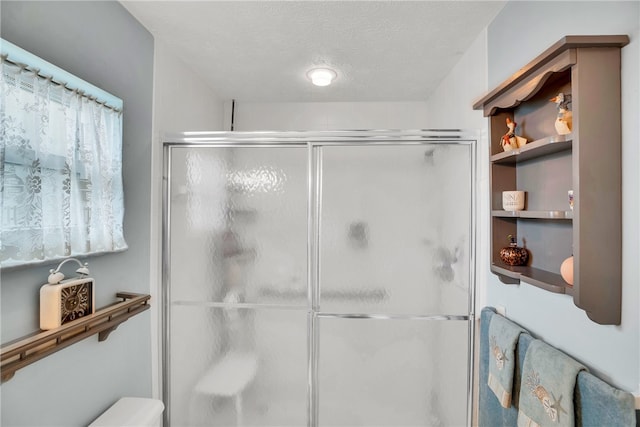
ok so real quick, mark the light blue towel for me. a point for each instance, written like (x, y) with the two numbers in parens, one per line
(597, 404)
(547, 387)
(503, 338)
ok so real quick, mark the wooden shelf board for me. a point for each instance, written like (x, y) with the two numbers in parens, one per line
(567, 42)
(24, 351)
(534, 149)
(543, 279)
(533, 214)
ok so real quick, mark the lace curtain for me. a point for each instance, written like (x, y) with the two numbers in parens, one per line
(61, 169)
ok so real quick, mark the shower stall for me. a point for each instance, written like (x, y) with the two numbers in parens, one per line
(318, 278)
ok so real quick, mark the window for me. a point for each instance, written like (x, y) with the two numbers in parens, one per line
(61, 169)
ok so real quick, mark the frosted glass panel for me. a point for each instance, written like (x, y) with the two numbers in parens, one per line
(395, 229)
(231, 366)
(392, 372)
(393, 237)
(239, 224)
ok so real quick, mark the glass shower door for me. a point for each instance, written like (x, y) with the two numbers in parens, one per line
(236, 289)
(391, 323)
(318, 283)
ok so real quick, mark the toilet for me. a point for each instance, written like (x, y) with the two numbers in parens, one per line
(131, 412)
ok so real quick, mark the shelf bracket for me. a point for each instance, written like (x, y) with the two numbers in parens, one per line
(102, 336)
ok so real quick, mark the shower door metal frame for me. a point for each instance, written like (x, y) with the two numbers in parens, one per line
(314, 141)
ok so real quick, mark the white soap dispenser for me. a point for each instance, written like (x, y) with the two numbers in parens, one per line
(62, 301)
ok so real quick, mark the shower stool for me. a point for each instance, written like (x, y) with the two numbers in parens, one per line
(229, 377)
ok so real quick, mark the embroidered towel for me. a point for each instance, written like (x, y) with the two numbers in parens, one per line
(547, 388)
(503, 338)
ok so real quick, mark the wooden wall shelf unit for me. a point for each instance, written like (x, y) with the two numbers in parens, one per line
(27, 350)
(587, 161)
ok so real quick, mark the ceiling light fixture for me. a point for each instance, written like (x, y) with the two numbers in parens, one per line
(321, 76)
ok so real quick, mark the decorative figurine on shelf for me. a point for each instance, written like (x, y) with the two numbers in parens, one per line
(510, 141)
(513, 254)
(564, 120)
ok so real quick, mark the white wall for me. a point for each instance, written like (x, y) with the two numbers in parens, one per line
(330, 116)
(519, 33)
(182, 102)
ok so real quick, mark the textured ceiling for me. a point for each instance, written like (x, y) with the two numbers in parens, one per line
(261, 50)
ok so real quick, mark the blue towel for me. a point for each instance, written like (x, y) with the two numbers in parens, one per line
(547, 388)
(599, 404)
(503, 338)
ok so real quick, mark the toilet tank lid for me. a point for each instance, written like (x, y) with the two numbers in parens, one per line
(131, 411)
